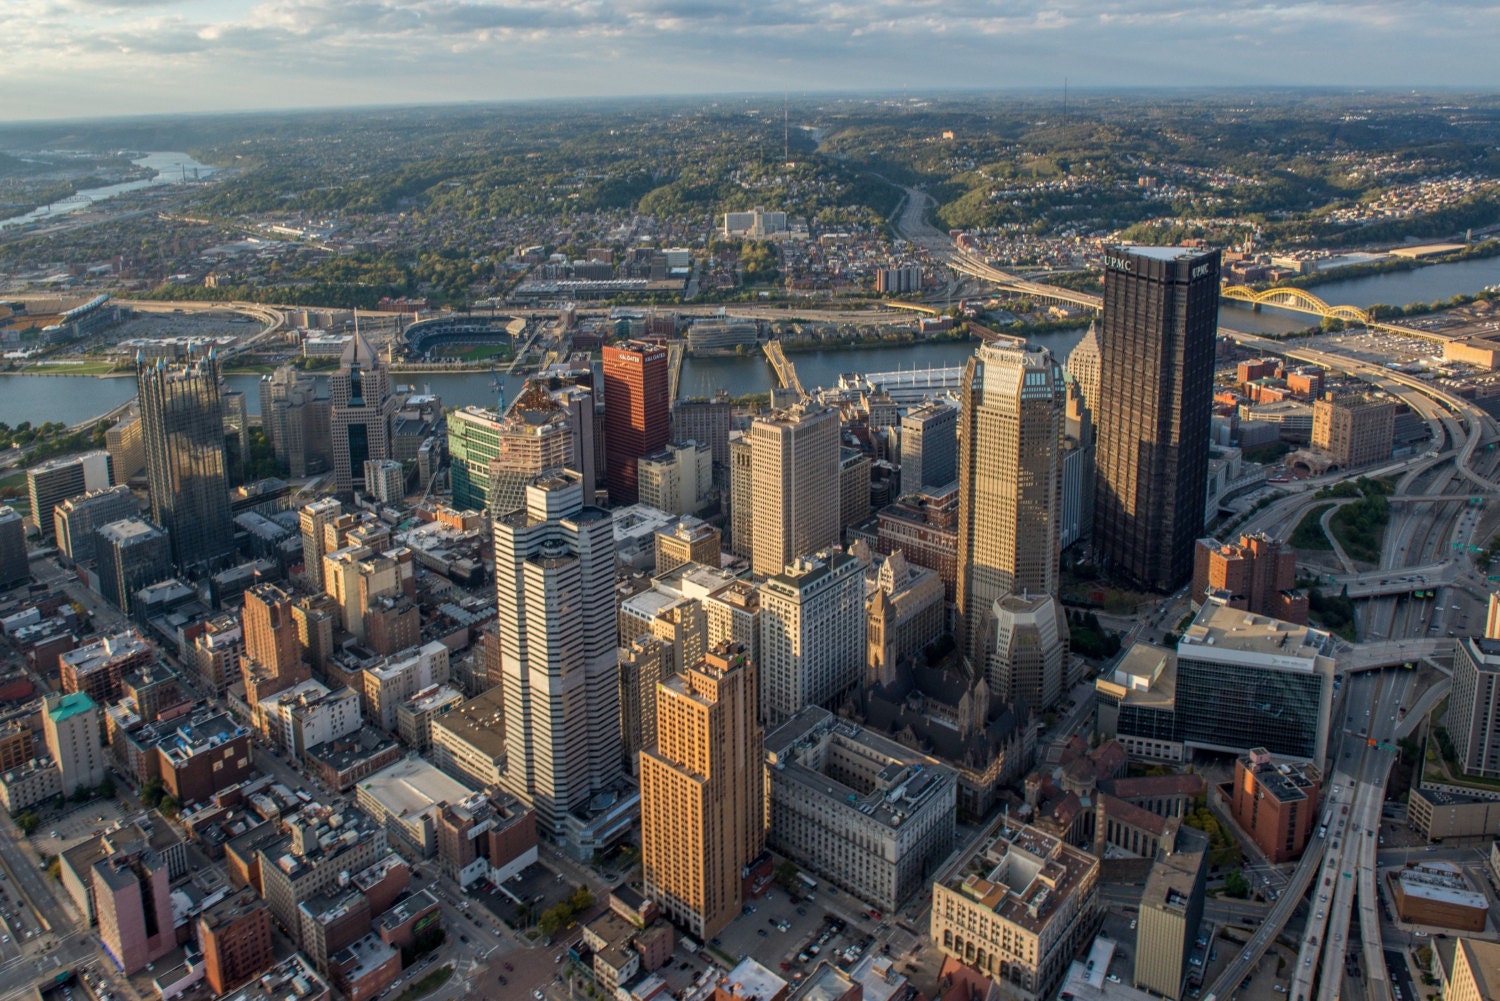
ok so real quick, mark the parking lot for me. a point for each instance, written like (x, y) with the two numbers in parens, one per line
(59, 832)
(793, 936)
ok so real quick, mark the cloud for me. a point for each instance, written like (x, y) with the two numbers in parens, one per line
(266, 53)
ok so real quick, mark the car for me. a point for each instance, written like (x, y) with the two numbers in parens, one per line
(762, 933)
(1278, 988)
(1113, 978)
(503, 981)
(1307, 961)
(557, 958)
(536, 994)
(1132, 924)
(464, 939)
(802, 911)
(1420, 934)
(509, 968)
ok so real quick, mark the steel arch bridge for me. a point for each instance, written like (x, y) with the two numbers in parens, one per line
(1298, 299)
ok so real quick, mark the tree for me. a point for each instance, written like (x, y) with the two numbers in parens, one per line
(54, 867)
(151, 793)
(1236, 885)
(106, 788)
(169, 806)
(27, 821)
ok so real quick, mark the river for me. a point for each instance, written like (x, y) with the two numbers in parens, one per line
(73, 399)
(171, 168)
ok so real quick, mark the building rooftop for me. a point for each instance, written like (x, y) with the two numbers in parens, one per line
(1163, 253)
(411, 787)
(906, 783)
(106, 650)
(1174, 873)
(1440, 882)
(69, 706)
(1231, 635)
(879, 977)
(293, 979)
(344, 752)
(402, 911)
(750, 981)
(1019, 873)
(479, 722)
(826, 983)
(362, 958)
(1146, 676)
(1283, 781)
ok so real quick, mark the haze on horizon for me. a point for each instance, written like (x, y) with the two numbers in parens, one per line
(98, 58)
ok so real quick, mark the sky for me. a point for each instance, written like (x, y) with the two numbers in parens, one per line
(89, 58)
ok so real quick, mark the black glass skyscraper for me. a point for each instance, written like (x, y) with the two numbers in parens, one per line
(1161, 314)
(182, 426)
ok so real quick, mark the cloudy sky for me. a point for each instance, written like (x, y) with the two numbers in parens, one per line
(72, 58)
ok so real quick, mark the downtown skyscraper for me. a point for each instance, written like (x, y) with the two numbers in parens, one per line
(363, 407)
(1012, 413)
(637, 412)
(703, 791)
(793, 485)
(1156, 374)
(554, 582)
(182, 427)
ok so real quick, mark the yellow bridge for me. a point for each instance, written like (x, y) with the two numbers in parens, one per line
(786, 372)
(1303, 301)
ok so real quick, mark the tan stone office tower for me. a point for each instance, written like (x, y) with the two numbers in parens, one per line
(794, 485)
(703, 791)
(1010, 435)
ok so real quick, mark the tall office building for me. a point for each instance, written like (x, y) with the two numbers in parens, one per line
(703, 791)
(554, 581)
(130, 555)
(1084, 364)
(53, 482)
(14, 567)
(271, 635)
(127, 449)
(360, 422)
(1161, 314)
(296, 420)
(812, 634)
(794, 476)
(1010, 434)
(1355, 429)
(929, 446)
(76, 519)
(741, 508)
(637, 412)
(71, 725)
(494, 457)
(707, 421)
(1171, 911)
(1474, 716)
(315, 518)
(385, 481)
(182, 418)
(1028, 657)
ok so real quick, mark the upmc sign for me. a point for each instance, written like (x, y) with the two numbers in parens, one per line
(1119, 264)
(1202, 270)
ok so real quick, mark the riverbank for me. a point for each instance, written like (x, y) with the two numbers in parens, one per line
(1393, 265)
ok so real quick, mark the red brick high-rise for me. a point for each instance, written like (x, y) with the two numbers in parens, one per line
(637, 412)
(1259, 573)
(1276, 803)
